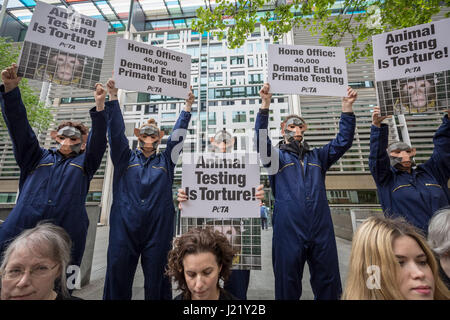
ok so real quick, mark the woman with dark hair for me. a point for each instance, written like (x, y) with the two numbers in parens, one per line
(198, 260)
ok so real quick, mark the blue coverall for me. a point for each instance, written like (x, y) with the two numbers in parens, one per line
(302, 225)
(51, 186)
(237, 283)
(417, 195)
(142, 212)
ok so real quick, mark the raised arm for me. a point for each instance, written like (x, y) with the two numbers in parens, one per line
(336, 148)
(268, 154)
(118, 141)
(439, 161)
(379, 162)
(96, 144)
(174, 144)
(25, 144)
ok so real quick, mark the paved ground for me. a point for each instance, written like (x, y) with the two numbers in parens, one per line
(261, 281)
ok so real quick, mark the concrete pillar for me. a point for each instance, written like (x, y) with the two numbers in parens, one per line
(93, 211)
(107, 190)
(3, 13)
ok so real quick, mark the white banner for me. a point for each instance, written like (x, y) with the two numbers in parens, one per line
(412, 52)
(220, 185)
(145, 68)
(307, 70)
(67, 30)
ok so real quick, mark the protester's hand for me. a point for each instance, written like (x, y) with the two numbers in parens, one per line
(100, 96)
(9, 78)
(347, 102)
(189, 101)
(112, 90)
(376, 118)
(265, 96)
(181, 197)
(260, 193)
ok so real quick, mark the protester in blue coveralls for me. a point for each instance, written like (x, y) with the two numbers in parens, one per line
(405, 190)
(239, 279)
(142, 213)
(53, 182)
(302, 225)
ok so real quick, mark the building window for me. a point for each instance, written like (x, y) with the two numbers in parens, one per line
(238, 92)
(9, 197)
(239, 116)
(168, 116)
(216, 76)
(173, 36)
(255, 78)
(150, 108)
(352, 197)
(211, 118)
(94, 197)
(237, 60)
(166, 129)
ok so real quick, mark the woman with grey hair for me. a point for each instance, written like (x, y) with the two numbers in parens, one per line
(439, 241)
(34, 262)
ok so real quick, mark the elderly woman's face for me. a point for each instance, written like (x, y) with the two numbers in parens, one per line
(29, 276)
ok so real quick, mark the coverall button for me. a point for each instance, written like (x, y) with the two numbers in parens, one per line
(307, 198)
(142, 200)
(49, 201)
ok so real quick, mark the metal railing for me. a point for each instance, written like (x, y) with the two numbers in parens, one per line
(347, 218)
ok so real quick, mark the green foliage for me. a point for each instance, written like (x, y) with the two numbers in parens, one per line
(38, 114)
(333, 20)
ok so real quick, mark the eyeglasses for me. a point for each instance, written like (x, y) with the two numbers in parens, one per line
(36, 272)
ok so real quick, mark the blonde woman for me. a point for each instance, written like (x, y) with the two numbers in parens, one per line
(390, 260)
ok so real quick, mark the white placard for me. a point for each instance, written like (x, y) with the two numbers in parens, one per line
(145, 68)
(220, 185)
(412, 52)
(307, 70)
(67, 30)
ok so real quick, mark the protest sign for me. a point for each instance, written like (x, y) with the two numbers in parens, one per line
(220, 185)
(145, 68)
(244, 234)
(412, 68)
(63, 47)
(307, 70)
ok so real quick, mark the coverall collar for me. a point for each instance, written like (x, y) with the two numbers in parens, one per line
(56, 151)
(296, 147)
(143, 158)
